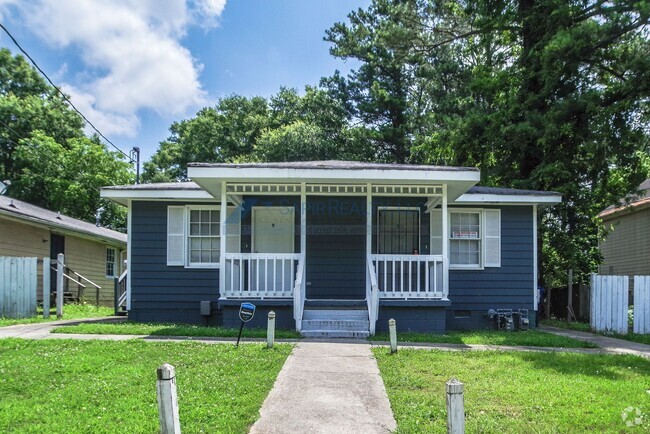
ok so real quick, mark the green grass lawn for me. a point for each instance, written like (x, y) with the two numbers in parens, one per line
(579, 326)
(517, 392)
(70, 311)
(65, 386)
(164, 329)
(531, 338)
(584, 327)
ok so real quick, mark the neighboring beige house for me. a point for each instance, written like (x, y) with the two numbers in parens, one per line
(96, 253)
(626, 248)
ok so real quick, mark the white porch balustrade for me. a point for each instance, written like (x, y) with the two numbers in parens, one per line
(260, 275)
(410, 276)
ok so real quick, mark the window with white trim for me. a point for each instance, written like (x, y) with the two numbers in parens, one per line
(203, 236)
(474, 238)
(465, 239)
(110, 262)
(194, 235)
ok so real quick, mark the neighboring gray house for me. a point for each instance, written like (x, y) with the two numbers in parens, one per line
(626, 248)
(323, 241)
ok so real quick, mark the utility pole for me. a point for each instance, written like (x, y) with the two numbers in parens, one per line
(135, 156)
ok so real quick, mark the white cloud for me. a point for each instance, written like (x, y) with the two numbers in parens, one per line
(132, 54)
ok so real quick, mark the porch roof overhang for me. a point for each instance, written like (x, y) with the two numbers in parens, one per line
(210, 176)
(185, 191)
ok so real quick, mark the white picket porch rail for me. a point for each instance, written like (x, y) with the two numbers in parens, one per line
(410, 276)
(263, 275)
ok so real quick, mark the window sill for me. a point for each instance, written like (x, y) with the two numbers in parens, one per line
(466, 267)
(203, 266)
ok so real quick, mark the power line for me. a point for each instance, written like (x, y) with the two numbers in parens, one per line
(63, 95)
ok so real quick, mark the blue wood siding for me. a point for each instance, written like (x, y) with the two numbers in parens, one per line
(474, 292)
(336, 247)
(159, 292)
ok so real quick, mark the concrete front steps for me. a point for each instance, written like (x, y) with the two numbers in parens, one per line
(330, 323)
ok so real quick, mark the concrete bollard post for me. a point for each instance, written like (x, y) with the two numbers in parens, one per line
(46, 287)
(270, 330)
(167, 400)
(455, 407)
(392, 331)
(59, 285)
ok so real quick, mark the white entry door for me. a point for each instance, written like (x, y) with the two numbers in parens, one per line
(273, 229)
(273, 232)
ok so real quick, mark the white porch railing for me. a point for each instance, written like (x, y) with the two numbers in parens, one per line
(372, 297)
(263, 275)
(410, 276)
(299, 294)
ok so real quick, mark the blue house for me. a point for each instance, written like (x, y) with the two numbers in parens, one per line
(335, 248)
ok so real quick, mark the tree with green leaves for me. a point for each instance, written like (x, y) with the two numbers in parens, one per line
(540, 94)
(287, 127)
(68, 178)
(44, 152)
(224, 133)
(29, 104)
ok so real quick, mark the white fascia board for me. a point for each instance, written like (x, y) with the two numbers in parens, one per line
(122, 196)
(330, 175)
(470, 199)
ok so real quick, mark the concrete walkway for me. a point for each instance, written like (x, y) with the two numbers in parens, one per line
(606, 344)
(327, 387)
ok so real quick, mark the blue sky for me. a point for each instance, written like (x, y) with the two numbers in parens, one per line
(135, 66)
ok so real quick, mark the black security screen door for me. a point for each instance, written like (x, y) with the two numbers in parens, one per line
(398, 231)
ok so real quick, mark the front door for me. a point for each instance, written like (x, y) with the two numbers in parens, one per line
(273, 229)
(273, 232)
(57, 245)
(336, 247)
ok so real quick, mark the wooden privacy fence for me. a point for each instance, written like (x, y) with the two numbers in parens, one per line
(641, 304)
(18, 283)
(609, 303)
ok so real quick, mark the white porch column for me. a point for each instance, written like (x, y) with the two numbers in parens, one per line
(445, 245)
(368, 230)
(303, 228)
(129, 231)
(223, 214)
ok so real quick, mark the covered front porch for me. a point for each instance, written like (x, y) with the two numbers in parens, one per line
(358, 244)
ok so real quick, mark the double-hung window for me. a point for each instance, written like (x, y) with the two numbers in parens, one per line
(203, 236)
(194, 235)
(465, 239)
(474, 238)
(110, 262)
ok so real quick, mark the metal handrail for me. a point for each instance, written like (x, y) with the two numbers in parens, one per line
(70, 278)
(87, 280)
(298, 293)
(372, 297)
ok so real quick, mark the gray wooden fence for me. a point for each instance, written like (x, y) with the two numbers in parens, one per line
(18, 282)
(609, 303)
(641, 305)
